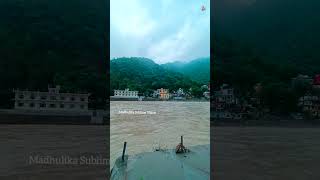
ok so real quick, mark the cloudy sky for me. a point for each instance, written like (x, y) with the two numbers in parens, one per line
(162, 30)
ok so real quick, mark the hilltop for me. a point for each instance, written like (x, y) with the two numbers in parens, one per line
(198, 70)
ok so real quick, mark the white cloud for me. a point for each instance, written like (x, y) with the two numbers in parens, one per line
(130, 18)
(163, 30)
(172, 47)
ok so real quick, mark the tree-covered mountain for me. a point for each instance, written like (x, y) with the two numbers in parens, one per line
(144, 75)
(53, 42)
(283, 32)
(197, 70)
(268, 42)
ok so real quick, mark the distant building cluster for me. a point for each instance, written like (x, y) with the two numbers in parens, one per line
(179, 94)
(51, 100)
(162, 94)
(159, 94)
(225, 104)
(310, 102)
(206, 94)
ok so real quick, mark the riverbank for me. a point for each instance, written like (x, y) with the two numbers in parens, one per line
(266, 123)
(93, 117)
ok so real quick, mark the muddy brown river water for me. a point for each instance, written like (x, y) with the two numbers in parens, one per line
(239, 153)
(146, 125)
(265, 153)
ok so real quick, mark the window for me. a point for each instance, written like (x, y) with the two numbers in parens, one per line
(71, 106)
(31, 104)
(72, 98)
(82, 106)
(52, 106)
(21, 96)
(53, 98)
(61, 105)
(43, 105)
(20, 104)
(82, 99)
(62, 98)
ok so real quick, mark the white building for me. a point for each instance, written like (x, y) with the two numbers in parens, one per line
(51, 100)
(180, 92)
(206, 94)
(125, 94)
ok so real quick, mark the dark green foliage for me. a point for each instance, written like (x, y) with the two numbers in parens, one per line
(267, 42)
(53, 42)
(243, 70)
(197, 70)
(144, 75)
(197, 92)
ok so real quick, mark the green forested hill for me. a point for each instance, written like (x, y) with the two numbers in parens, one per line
(268, 42)
(197, 70)
(53, 42)
(279, 32)
(144, 75)
(265, 40)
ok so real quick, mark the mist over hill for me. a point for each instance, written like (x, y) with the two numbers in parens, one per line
(197, 70)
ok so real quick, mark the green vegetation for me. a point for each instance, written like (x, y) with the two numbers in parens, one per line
(266, 42)
(243, 70)
(198, 70)
(144, 75)
(53, 42)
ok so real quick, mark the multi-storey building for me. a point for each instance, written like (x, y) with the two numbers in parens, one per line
(225, 96)
(125, 94)
(164, 94)
(310, 104)
(301, 80)
(225, 105)
(51, 100)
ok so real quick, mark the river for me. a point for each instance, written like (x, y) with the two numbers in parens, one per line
(239, 153)
(146, 125)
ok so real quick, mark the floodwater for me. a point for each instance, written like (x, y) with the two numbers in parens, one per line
(239, 153)
(20, 143)
(277, 153)
(146, 125)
